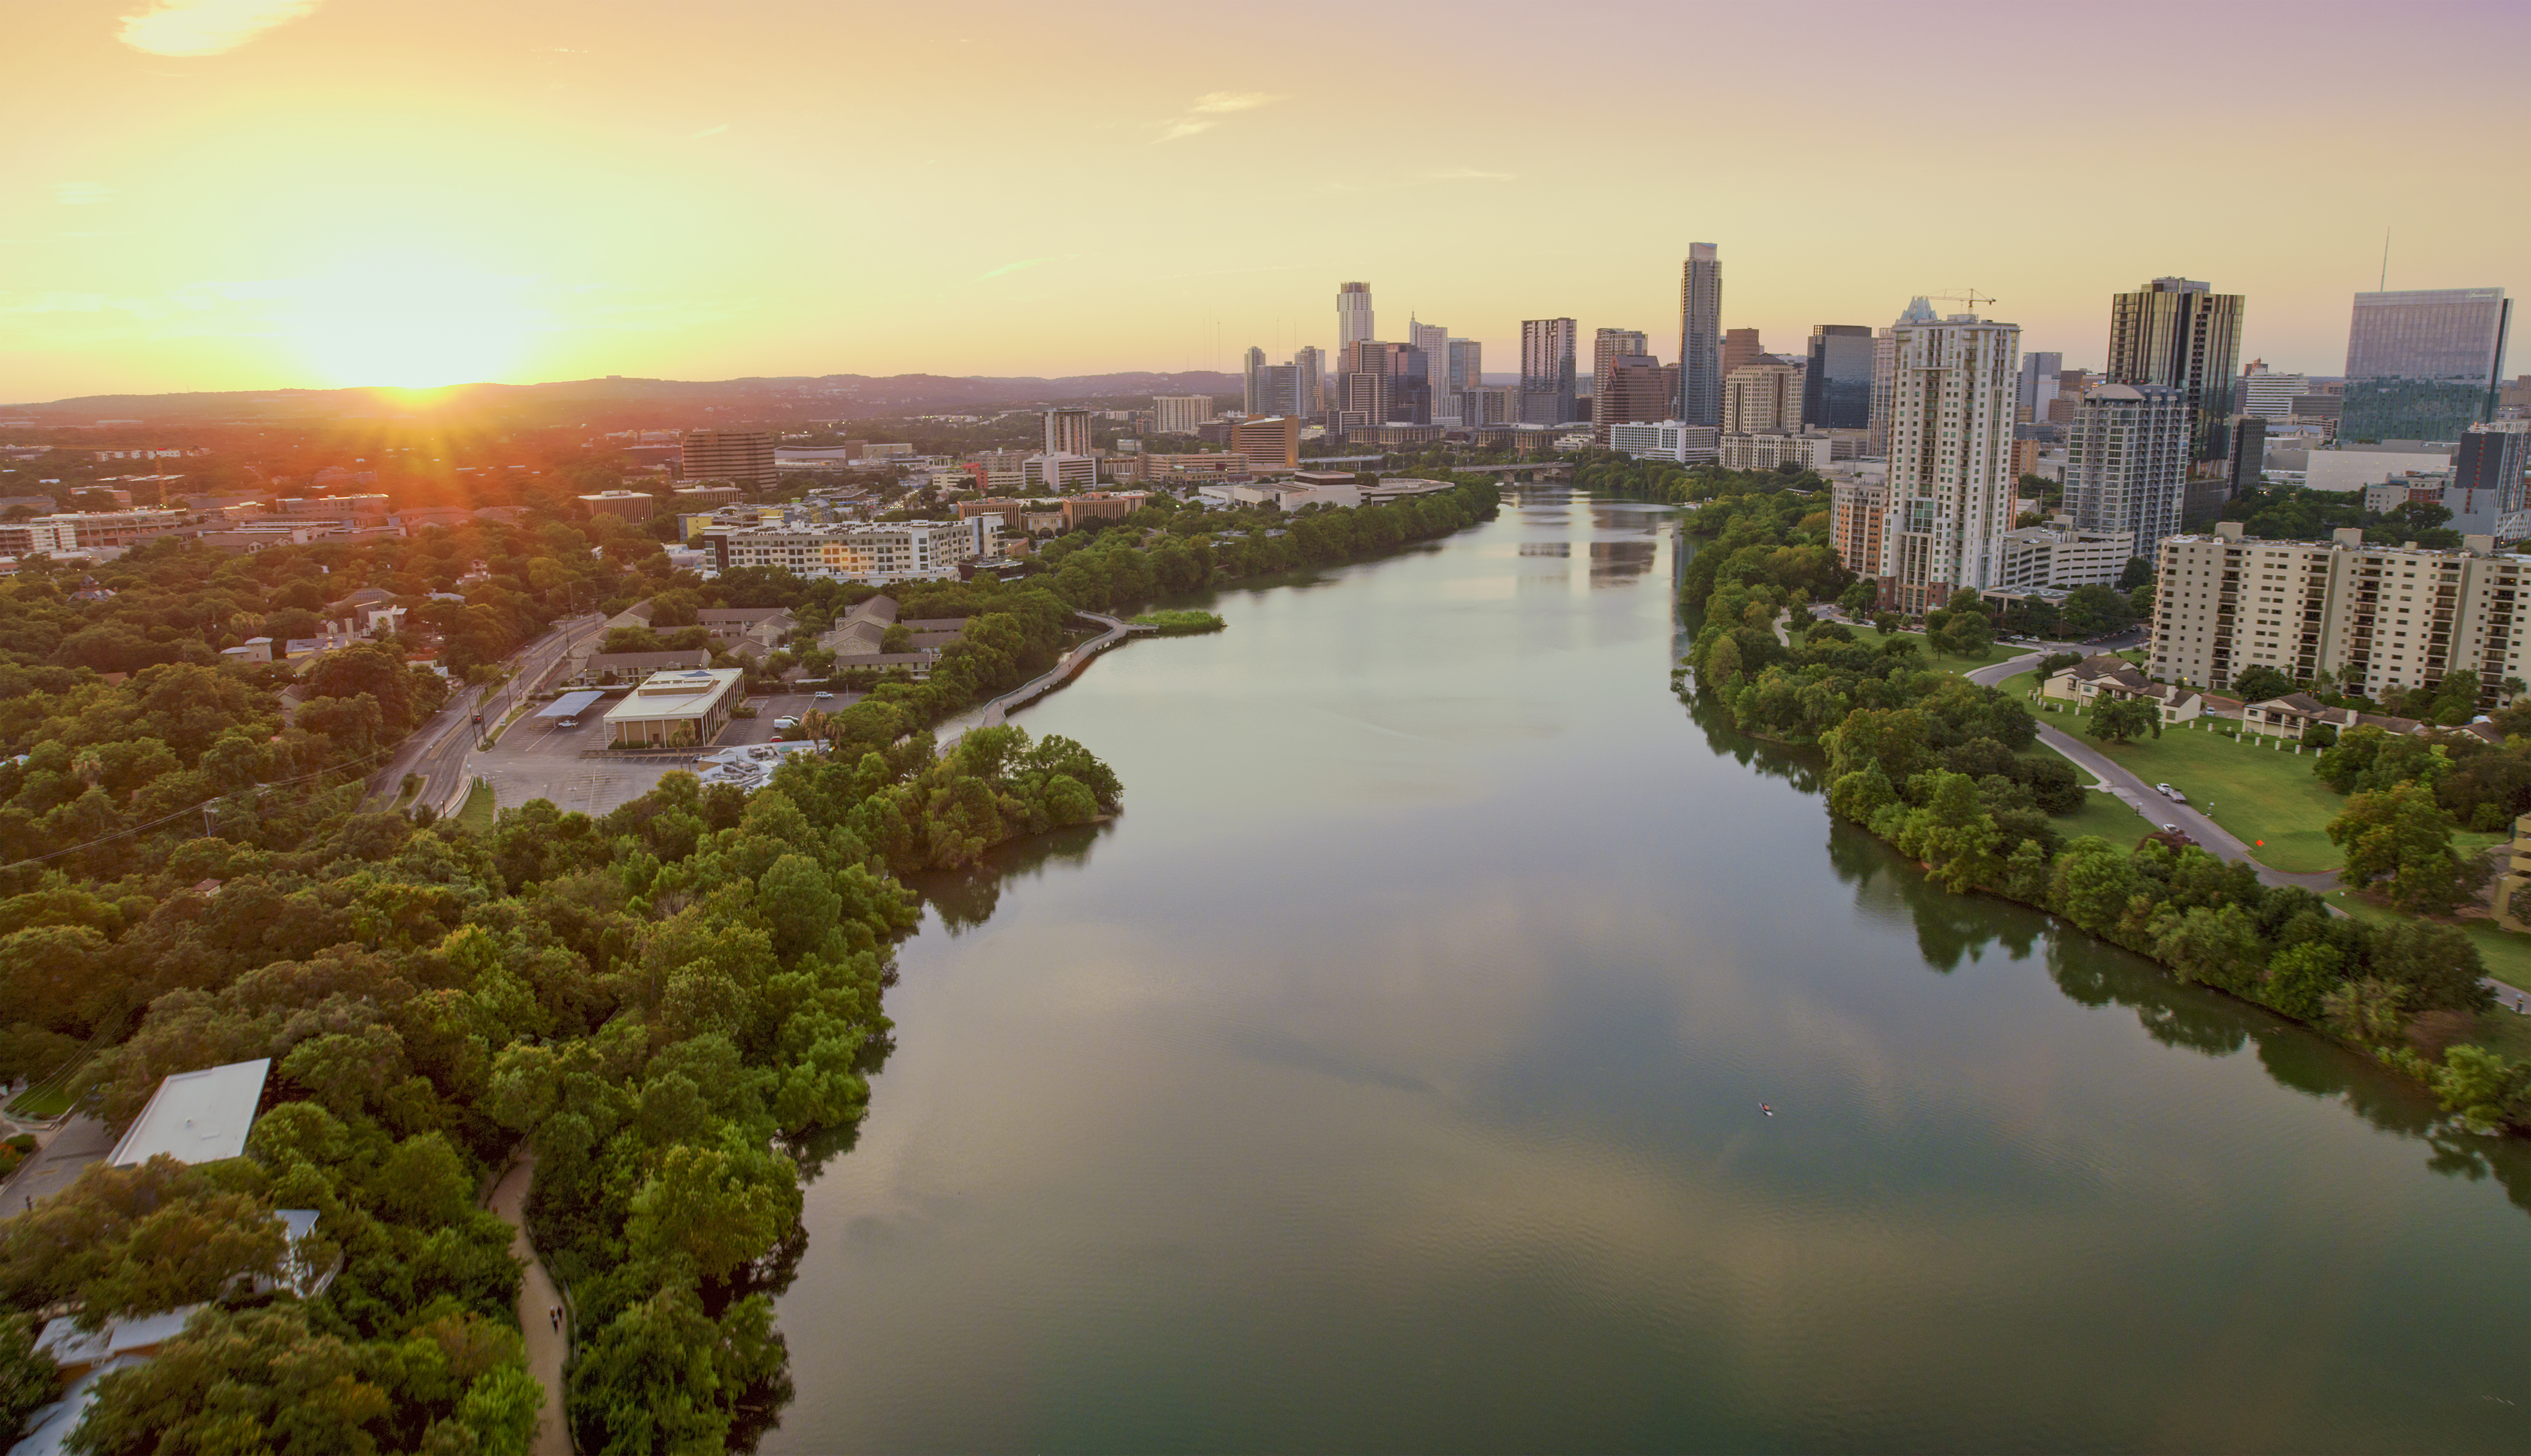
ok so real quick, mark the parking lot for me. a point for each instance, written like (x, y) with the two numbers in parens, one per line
(760, 729)
(538, 758)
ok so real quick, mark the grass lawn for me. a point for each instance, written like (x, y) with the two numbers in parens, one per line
(2258, 792)
(474, 815)
(1942, 662)
(2106, 816)
(43, 1104)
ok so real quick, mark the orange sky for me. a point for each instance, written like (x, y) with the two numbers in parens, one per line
(258, 194)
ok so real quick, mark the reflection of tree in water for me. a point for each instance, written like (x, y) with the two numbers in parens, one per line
(2173, 1012)
(1802, 767)
(965, 897)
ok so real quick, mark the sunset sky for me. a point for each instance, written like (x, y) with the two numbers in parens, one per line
(259, 194)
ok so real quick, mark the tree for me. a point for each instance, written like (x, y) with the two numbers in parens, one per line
(2260, 682)
(2125, 718)
(2400, 835)
(28, 1379)
(2095, 610)
(714, 1210)
(2137, 572)
(2481, 1086)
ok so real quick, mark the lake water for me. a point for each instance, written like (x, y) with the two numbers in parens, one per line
(1387, 1078)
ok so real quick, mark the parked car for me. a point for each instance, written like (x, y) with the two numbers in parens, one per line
(2167, 792)
(821, 692)
(568, 723)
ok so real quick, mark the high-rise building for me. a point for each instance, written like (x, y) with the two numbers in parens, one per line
(1699, 336)
(1251, 402)
(1404, 393)
(1885, 374)
(1546, 350)
(1632, 389)
(1836, 390)
(1180, 414)
(1488, 404)
(1464, 368)
(2127, 462)
(742, 456)
(1951, 492)
(1607, 346)
(1434, 340)
(2039, 372)
(1761, 399)
(2423, 363)
(1067, 431)
(1353, 315)
(1312, 367)
(2180, 333)
(1740, 348)
(2249, 457)
(1858, 507)
(2266, 393)
(2492, 459)
(1270, 442)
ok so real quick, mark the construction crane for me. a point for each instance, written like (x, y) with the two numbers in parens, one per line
(1970, 296)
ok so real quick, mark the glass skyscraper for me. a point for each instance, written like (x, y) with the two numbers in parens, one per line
(1836, 392)
(1699, 336)
(2423, 363)
(2180, 333)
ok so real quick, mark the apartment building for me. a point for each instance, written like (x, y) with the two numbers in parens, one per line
(907, 550)
(1951, 491)
(1667, 439)
(1180, 414)
(1761, 399)
(2378, 618)
(743, 457)
(1855, 511)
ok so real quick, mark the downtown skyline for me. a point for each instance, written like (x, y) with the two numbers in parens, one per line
(371, 194)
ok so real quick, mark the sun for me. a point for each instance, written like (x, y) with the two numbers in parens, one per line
(410, 319)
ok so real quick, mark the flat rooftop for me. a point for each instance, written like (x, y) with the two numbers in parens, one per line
(196, 1117)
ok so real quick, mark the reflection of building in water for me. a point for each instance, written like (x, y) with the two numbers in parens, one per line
(1612, 562)
(1547, 549)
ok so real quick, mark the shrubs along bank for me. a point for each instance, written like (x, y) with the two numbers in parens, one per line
(1938, 767)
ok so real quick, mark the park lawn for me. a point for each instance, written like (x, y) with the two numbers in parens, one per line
(1940, 661)
(2104, 814)
(474, 815)
(2258, 792)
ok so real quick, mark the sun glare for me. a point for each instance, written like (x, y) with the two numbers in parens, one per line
(411, 320)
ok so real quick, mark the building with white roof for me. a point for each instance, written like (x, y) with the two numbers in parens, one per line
(195, 1117)
(683, 707)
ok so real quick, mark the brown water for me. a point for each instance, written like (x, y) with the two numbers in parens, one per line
(1388, 1079)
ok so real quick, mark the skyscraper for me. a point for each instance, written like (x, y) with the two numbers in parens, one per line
(2492, 459)
(1761, 399)
(2126, 462)
(2266, 393)
(1385, 383)
(1434, 340)
(1953, 391)
(1547, 349)
(1632, 389)
(1740, 348)
(1607, 346)
(1884, 372)
(1699, 336)
(2039, 374)
(1353, 315)
(1837, 393)
(1067, 433)
(2423, 363)
(1464, 368)
(1313, 367)
(1251, 401)
(2179, 332)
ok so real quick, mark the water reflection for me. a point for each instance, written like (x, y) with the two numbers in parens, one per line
(1618, 563)
(965, 897)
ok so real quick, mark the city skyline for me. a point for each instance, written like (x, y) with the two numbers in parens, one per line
(246, 193)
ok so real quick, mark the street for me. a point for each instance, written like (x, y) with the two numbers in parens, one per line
(437, 749)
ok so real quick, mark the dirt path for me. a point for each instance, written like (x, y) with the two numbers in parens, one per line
(538, 1299)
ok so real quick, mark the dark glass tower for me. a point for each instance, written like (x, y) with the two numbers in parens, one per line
(1837, 393)
(2423, 363)
(1699, 336)
(2182, 335)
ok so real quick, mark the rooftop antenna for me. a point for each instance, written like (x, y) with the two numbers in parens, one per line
(2386, 259)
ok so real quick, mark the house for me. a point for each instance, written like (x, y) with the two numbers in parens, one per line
(600, 669)
(2295, 714)
(195, 1117)
(2105, 676)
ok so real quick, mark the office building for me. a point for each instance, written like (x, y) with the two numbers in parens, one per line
(1252, 381)
(2351, 466)
(2039, 374)
(1180, 414)
(1353, 315)
(1608, 346)
(685, 708)
(1067, 431)
(1611, 343)
(743, 457)
(1884, 372)
(1488, 404)
(1666, 439)
(636, 506)
(2127, 462)
(1761, 399)
(1433, 340)
(2423, 363)
(2492, 461)
(1699, 336)
(1740, 348)
(1765, 452)
(1632, 389)
(1837, 389)
(1857, 507)
(1951, 491)
(1312, 364)
(2249, 455)
(1402, 393)
(1546, 361)
(2180, 334)
(1270, 443)
(2269, 394)
(2378, 618)
(1464, 368)
(2060, 558)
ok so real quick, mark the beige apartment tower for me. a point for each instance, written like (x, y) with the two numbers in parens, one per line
(1954, 387)
(1761, 399)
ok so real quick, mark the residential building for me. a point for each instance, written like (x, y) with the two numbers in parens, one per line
(1272, 443)
(2492, 462)
(1102, 505)
(195, 1117)
(1434, 341)
(1353, 315)
(1699, 336)
(894, 551)
(1482, 405)
(2039, 374)
(2127, 462)
(2378, 618)
(1951, 493)
(1180, 414)
(1666, 439)
(1837, 388)
(1463, 368)
(1253, 365)
(1857, 506)
(2249, 454)
(1546, 361)
(2179, 333)
(685, 708)
(1765, 452)
(1067, 431)
(627, 505)
(1630, 389)
(2060, 558)
(2269, 394)
(1761, 399)
(2423, 363)
(744, 457)
(1885, 370)
(1309, 366)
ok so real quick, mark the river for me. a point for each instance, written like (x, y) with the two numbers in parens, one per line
(1388, 1078)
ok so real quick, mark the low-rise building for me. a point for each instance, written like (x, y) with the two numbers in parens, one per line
(878, 552)
(686, 707)
(2060, 558)
(1669, 439)
(1100, 505)
(195, 1117)
(627, 505)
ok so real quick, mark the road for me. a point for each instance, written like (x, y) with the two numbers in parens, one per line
(549, 1340)
(437, 750)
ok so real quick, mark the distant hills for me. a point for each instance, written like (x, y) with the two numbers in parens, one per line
(620, 402)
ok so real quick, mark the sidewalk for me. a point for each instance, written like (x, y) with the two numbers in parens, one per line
(546, 1346)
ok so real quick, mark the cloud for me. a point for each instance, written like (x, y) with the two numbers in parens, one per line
(81, 193)
(207, 28)
(1207, 111)
(1013, 267)
(710, 132)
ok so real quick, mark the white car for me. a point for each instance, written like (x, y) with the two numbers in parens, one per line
(2169, 793)
(568, 723)
(826, 695)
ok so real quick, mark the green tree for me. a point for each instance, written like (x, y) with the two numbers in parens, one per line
(2124, 719)
(2260, 682)
(2483, 1087)
(28, 1379)
(2400, 839)
(714, 1210)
